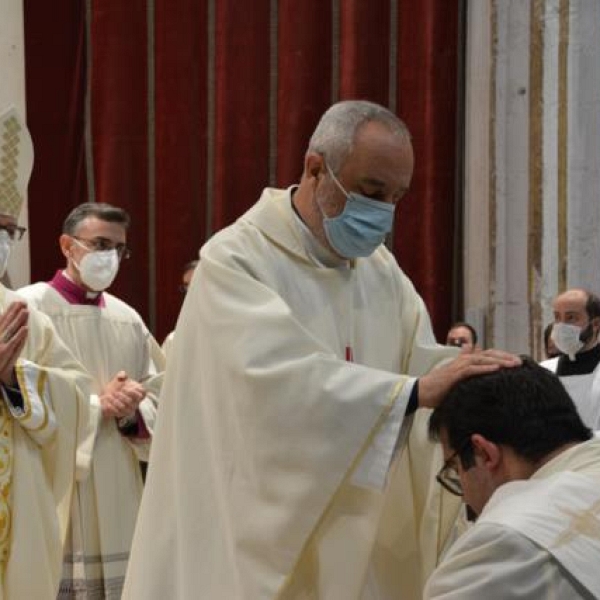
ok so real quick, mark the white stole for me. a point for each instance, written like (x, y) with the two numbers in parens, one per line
(560, 514)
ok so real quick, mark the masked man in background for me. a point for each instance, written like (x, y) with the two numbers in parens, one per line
(575, 335)
(114, 345)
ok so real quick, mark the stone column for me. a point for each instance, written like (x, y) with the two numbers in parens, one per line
(532, 212)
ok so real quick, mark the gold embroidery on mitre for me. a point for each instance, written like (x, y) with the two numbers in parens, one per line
(16, 162)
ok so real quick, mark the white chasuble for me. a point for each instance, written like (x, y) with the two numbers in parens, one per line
(282, 373)
(538, 538)
(106, 340)
(44, 446)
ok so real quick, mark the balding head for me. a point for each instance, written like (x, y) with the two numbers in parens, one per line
(581, 308)
(358, 148)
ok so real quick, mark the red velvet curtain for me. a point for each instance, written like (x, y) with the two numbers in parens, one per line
(55, 92)
(195, 106)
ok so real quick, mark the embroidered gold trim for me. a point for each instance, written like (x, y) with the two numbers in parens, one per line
(6, 467)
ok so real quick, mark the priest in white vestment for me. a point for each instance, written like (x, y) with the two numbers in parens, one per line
(44, 438)
(518, 451)
(112, 342)
(280, 467)
(576, 334)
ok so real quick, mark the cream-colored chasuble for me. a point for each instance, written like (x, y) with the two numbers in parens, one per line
(264, 421)
(43, 447)
(106, 340)
(537, 539)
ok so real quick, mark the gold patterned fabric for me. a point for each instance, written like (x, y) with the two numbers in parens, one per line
(16, 162)
(6, 464)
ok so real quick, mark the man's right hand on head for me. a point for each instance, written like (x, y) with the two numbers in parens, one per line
(437, 383)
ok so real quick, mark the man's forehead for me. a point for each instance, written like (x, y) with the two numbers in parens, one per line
(574, 301)
(459, 331)
(92, 225)
(382, 159)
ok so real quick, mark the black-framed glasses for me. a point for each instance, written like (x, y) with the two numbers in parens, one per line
(15, 232)
(183, 288)
(448, 476)
(101, 244)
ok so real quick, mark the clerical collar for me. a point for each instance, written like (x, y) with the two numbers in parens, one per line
(73, 293)
(584, 363)
(319, 253)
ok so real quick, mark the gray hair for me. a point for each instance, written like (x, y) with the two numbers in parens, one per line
(100, 210)
(335, 133)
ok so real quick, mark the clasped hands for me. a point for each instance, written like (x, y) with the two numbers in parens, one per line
(13, 335)
(121, 396)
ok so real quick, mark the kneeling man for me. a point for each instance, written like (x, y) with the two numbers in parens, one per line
(517, 450)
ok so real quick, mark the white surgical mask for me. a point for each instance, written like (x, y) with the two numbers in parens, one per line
(567, 338)
(361, 226)
(98, 269)
(5, 247)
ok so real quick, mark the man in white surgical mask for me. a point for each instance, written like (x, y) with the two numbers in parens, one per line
(575, 335)
(291, 458)
(114, 345)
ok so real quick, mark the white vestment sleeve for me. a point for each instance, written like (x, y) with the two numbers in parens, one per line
(497, 563)
(373, 468)
(36, 416)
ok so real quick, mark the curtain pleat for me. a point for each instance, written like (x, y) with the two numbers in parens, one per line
(364, 50)
(427, 96)
(119, 123)
(196, 106)
(241, 144)
(304, 75)
(55, 91)
(181, 59)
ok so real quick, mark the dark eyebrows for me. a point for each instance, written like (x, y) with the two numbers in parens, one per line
(377, 183)
(372, 181)
(100, 238)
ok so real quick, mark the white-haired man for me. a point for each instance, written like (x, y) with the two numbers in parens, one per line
(293, 369)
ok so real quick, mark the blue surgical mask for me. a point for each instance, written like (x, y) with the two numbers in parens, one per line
(361, 227)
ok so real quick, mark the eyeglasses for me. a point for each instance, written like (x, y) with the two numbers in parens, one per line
(15, 233)
(101, 244)
(183, 288)
(448, 476)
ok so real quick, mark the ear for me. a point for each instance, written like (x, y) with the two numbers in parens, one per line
(65, 241)
(489, 453)
(314, 166)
